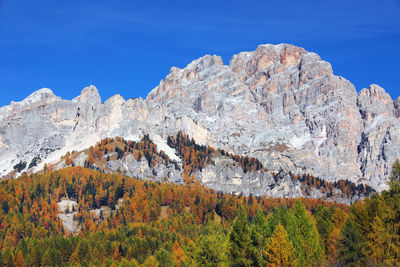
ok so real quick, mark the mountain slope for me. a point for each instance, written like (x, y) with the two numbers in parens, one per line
(216, 169)
(279, 104)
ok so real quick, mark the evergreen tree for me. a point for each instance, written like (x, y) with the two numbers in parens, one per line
(47, 259)
(351, 245)
(129, 254)
(279, 249)
(208, 252)
(323, 218)
(239, 246)
(164, 258)
(8, 258)
(151, 262)
(74, 258)
(308, 234)
(258, 238)
(34, 255)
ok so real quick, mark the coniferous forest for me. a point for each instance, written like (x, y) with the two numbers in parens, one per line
(129, 222)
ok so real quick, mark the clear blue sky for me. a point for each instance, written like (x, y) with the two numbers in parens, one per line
(126, 47)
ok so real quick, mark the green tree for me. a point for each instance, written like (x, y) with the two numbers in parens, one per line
(35, 257)
(323, 218)
(258, 238)
(8, 258)
(209, 251)
(308, 234)
(164, 258)
(47, 259)
(239, 245)
(351, 245)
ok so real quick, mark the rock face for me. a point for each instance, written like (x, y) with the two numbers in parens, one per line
(279, 103)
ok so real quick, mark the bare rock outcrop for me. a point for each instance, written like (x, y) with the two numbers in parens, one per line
(280, 104)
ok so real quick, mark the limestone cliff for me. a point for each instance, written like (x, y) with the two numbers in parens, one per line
(279, 104)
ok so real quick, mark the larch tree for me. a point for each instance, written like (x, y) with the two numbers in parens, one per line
(177, 253)
(117, 254)
(20, 260)
(279, 249)
(379, 242)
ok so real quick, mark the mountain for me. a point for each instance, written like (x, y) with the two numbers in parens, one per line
(278, 104)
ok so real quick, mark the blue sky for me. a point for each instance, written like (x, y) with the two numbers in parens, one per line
(127, 47)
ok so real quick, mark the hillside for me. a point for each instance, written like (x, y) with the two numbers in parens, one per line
(187, 162)
(82, 216)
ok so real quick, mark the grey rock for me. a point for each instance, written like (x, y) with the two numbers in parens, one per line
(279, 103)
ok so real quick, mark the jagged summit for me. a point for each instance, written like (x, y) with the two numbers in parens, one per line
(40, 96)
(279, 103)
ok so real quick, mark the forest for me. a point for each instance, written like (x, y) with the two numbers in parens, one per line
(143, 223)
(196, 157)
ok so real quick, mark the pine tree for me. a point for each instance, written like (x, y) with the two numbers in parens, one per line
(164, 258)
(279, 249)
(74, 257)
(324, 224)
(8, 258)
(258, 238)
(308, 234)
(129, 254)
(150, 262)
(34, 255)
(209, 251)
(47, 259)
(239, 245)
(351, 245)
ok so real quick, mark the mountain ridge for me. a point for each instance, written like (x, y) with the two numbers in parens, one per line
(279, 104)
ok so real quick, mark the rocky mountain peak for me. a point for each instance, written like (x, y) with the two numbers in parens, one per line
(279, 104)
(89, 95)
(374, 101)
(39, 97)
